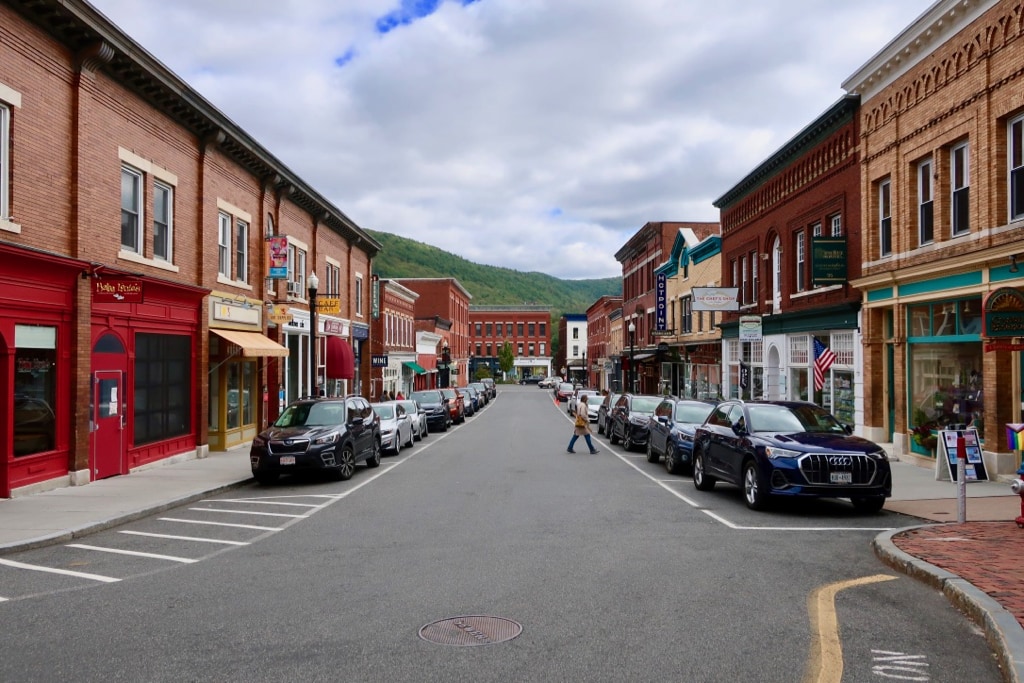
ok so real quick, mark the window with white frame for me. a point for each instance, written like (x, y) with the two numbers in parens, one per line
(842, 346)
(163, 222)
(332, 280)
(801, 261)
(798, 346)
(5, 138)
(296, 271)
(960, 186)
(1015, 154)
(925, 203)
(542, 348)
(885, 217)
(735, 351)
(836, 221)
(686, 314)
(744, 281)
(816, 229)
(754, 292)
(359, 295)
(223, 244)
(241, 251)
(735, 274)
(131, 210)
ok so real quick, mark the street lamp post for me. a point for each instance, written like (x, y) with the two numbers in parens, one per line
(632, 369)
(586, 371)
(446, 360)
(314, 284)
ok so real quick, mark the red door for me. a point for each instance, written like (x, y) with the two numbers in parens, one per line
(108, 456)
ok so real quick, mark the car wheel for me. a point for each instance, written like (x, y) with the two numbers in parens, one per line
(417, 434)
(652, 455)
(754, 490)
(265, 478)
(374, 459)
(671, 459)
(627, 441)
(398, 443)
(346, 463)
(612, 439)
(600, 427)
(701, 480)
(872, 504)
(412, 439)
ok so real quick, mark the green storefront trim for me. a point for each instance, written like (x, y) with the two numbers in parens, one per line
(832, 318)
(880, 294)
(941, 284)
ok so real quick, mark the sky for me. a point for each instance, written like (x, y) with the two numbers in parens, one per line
(537, 135)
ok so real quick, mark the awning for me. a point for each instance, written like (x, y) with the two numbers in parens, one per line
(341, 362)
(415, 367)
(252, 344)
(643, 356)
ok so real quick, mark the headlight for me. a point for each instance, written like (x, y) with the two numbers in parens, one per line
(880, 454)
(775, 452)
(638, 421)
(259, 442)
(327, 438)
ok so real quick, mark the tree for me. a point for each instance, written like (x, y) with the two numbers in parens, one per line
(506, 359)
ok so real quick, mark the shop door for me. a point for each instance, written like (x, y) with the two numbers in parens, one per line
(108, 443)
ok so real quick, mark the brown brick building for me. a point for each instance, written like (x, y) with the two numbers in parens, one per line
(527, 328)
(942, 180)
(446, 299)
(394, 363)
(604, 362)
(134, 291)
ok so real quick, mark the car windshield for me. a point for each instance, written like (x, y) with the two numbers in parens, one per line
(384, 412)
(409, 405)
(449, 393)
(692, 413)
(645, 404)
(791, 419)
(426, 397)
(312, 415)
(565, 386)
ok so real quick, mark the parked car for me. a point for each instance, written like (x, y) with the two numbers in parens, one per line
(788, 448)
(329, 434)
(671, 431)
(549, 382)
(396, 427)
(530, 379)
(456, 404)
(472, 398)
(563, 391)
(592, 394)
(434, 405)
(604, 410)
(481, 389)
(418, 415)
(492, 388)
(629, 418)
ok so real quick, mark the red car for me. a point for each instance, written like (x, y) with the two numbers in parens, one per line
(563, 391)
(456, 404)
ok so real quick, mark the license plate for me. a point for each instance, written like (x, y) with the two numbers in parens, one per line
(290, 460)
(842, 477)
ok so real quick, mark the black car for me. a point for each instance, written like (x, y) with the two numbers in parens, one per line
(328, 434)
(531, 379)
(629, 417)
(604, 410)
(492, 390)
(789, 448)
(435, 405)
(671, 431)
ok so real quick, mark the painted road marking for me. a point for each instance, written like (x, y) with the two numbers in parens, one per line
(249, 512)
(133, 553)
(63, 572)
(183, 538)
(901, 666)
(261, 501)
(235, 526)
(825, 663)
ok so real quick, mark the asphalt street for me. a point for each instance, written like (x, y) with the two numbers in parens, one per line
(613, 569)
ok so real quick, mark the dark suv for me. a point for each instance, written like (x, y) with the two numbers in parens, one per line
(435, 405)
(328, 434)
(788, 448)
(629, 418)
(671, 431)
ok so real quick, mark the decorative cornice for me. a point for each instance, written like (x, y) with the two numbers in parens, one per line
(95, 56)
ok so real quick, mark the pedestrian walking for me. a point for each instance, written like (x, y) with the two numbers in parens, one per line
(581, 426)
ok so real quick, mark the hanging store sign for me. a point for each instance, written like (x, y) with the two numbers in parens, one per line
(828, 261)
(328, 305)
(661, 302)
(715, 298)
(278, 314)
(1003, 313)
(277, 258)
(116, 291)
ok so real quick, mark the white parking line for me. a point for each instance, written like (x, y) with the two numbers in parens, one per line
(62, 572)
(183, 538)
(3, 599)
(235, 526)
(249, 512)
(133, 553)
(260, 502)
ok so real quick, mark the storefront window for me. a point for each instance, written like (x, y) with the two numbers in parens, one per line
(35, 362)
(946, 386)
(798, 384)
(163, 387)
(233, 396)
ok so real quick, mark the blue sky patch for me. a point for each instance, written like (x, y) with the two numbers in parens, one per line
(345, 58)
(410, 11)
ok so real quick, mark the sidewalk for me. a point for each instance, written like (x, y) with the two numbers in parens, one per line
(977, 564)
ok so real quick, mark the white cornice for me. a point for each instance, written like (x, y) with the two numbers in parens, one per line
(928, 32)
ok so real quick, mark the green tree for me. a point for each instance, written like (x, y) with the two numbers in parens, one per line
(506, 359)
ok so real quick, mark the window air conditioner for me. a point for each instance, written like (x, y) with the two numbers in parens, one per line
(294, 289)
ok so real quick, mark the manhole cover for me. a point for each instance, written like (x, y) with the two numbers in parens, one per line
(471, 630)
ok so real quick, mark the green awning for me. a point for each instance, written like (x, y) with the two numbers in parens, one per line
(415, 367)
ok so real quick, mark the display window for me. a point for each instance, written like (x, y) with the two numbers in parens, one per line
(945, 386)
(35, 384)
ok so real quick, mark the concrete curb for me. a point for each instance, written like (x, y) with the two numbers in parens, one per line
(115, 520)
(1002, 631)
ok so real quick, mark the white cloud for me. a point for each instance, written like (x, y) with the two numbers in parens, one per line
(530, 134)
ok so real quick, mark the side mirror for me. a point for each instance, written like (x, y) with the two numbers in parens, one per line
(663, 419)
(739, 429)
(848, 429)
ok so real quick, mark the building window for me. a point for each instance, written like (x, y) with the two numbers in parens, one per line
(478, 329)
(533, 329)
(296, 271)
(359, 295)
(332, 280)
(131, 210)
(490, 333)
(745, 281)
(543, 329)
(925, 203)
(753, 277)
(686, 314)
(5, 139)
(531, 350)
(801, 261)
(885, 217)
(959, 172)
(1015, 151)
(163, 387)
(519, 330)
(490, 349)
(35, 389)
(519, 349)
(224, 244)
(241, 251)
(837, 224)
(508, 329)
(735, 273)
(575, 333)
(816, 229)
(542, 348)
(163, 221)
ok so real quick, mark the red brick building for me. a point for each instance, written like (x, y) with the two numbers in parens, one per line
(446, 299)
(133, 278)
(395, 367)
(788, 247)
(603, 362)
(526, 328)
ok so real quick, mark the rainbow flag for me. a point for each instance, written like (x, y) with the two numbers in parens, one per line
(1015, 436)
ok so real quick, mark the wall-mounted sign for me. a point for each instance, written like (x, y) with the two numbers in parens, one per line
(375, 297)
(828, 260)
(335, 327)
(661, 302)
(328, 305)
(715, 298)
(116, 291)
(1003, 313)
(750, 328)
(278, 314)
(277, 258)
(379, 360)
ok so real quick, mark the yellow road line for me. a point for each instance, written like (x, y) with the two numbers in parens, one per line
(825, 663)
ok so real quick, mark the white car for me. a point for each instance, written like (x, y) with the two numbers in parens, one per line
(549, 382)
(396, 426)
(593, 402)
(419, 417)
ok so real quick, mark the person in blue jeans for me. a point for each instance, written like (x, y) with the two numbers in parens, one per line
(582, 426)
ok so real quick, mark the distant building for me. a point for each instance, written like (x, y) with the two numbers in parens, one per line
(447, 299)
(571, 357)
(526, 328)
(602, 355)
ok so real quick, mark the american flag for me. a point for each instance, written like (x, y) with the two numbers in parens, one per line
(823, 359)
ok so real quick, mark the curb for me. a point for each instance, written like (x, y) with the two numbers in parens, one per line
(103, 524)
(1002, 631)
